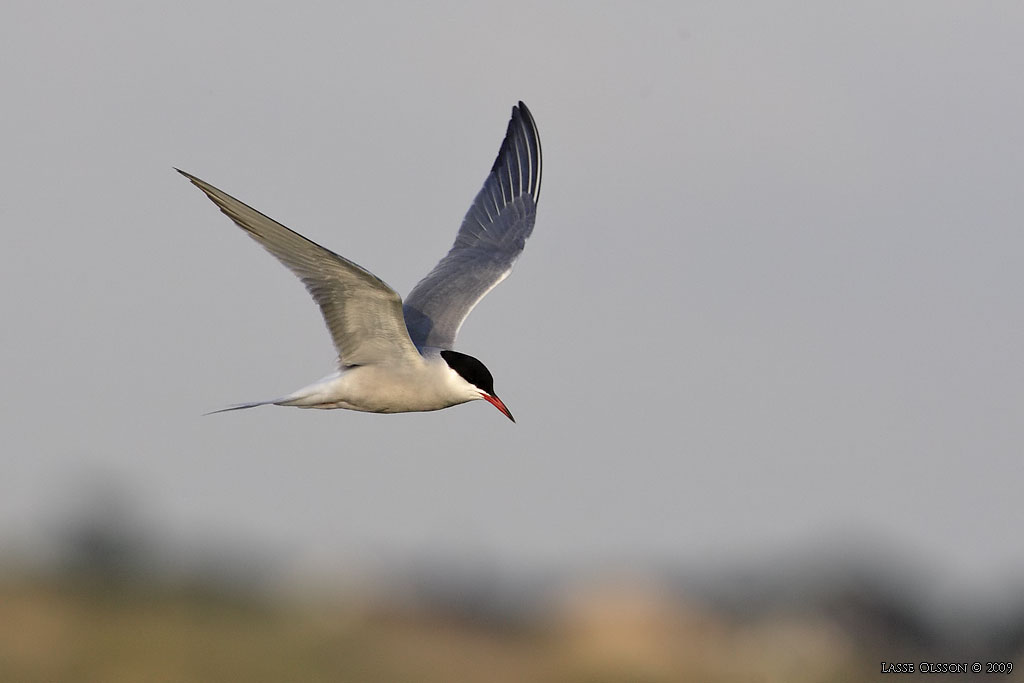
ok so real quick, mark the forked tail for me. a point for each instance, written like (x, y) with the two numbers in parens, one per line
(316, 395)
(242, 406)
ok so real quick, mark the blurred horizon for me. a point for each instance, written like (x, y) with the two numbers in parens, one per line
(112, 601)
(109, 535)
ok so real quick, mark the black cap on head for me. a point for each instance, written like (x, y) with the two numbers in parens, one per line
(474, 372)
(470, 369)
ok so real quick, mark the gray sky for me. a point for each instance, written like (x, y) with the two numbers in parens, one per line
(773, 295)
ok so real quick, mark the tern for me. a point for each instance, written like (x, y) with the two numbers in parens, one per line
(395, 358)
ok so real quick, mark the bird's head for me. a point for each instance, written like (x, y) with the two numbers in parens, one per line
(476, 374)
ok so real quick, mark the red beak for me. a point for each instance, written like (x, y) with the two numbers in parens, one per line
(497, 403)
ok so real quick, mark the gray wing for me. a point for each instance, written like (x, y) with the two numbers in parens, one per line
(490, 240)
(363, 314)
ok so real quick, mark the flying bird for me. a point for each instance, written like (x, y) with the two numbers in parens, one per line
(395, 357)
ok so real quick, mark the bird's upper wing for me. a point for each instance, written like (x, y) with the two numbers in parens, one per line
(363, 314)
(490, 240)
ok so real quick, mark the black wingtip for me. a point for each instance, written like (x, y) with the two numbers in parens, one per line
(521, 137)
(524, 112)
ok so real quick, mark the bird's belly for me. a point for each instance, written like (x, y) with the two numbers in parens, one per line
(369, 389)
